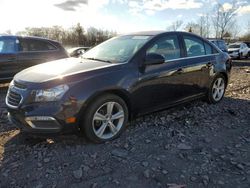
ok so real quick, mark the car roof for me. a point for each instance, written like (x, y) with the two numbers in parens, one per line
(151, 33)
(215, 39)
(158, 32)
(28, 37)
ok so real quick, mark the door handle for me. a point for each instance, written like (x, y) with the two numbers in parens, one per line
(209, 64)
(180, 71)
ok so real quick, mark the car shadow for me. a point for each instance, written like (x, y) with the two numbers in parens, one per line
(22, 153)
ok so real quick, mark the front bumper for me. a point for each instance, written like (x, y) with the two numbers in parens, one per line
(45, 119)
(50, 125)
(41, 117)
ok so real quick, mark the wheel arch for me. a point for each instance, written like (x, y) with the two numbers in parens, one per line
(225, 75)
(124, 95)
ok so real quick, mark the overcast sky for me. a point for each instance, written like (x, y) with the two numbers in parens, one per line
(117, 15)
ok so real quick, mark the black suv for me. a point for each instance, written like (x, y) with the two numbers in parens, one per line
(111, 83)
(220, 43)
(18, 53)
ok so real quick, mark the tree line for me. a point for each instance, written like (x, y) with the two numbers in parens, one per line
(219, 23)
(74, 36)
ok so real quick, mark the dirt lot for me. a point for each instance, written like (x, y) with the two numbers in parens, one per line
(195, 145)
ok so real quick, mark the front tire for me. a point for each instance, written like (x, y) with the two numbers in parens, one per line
(217, 89)
(105, 118)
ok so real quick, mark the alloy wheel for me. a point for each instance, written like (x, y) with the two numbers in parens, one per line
(218, 89)
(108, 120)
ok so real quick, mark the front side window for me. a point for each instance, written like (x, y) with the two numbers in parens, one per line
(7, 45)
(167, 46)
(194, 46)
(118, 49)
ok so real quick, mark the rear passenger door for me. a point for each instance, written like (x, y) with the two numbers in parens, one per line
(198, 62)
(35, 51)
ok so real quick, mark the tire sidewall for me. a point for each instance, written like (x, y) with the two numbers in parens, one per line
(86, 125)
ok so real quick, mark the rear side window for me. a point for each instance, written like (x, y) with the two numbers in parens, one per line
(208, 48)
(36, 45)
(194, 46)
(167, 46)
(7, 45)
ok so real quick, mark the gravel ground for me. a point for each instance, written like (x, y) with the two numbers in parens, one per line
(193, 145)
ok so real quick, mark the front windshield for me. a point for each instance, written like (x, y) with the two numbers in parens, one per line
(234, 46)
(117, 49)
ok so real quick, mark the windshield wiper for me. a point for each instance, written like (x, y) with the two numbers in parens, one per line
(96, 59)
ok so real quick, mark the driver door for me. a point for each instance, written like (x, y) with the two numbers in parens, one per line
(161, 84)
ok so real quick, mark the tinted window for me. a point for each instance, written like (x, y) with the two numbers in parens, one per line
(168, 47)
(221, 45)
(194, 46)
(36, 45)
(7, 45)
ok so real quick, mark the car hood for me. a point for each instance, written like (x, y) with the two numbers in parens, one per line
(233, 49)
(59, 69)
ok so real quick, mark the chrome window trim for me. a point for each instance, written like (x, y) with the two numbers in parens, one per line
(182, 58)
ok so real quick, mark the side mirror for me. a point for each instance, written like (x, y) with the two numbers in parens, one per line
(154, 59)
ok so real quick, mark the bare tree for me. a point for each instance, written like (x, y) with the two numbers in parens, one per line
(176, 25)
(248, 26)
(223, 19)
(73, 36)
(205, 25)
(193, 27)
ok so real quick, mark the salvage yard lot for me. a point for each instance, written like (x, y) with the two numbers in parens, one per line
(194, 145)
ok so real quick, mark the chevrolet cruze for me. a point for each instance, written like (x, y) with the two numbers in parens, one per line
(121, 78)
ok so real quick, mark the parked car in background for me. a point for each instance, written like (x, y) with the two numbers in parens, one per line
(248, 45)
(238, 50)
(18, 53)
(77, 51)
(220, 43)
(115, 81)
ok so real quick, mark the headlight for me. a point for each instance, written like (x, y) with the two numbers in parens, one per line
(52, 94)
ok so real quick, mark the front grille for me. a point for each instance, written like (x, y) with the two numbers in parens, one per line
(19, 85)
(13, 98)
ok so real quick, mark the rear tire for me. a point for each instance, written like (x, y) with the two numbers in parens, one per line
(105, 118)
(217, 89)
